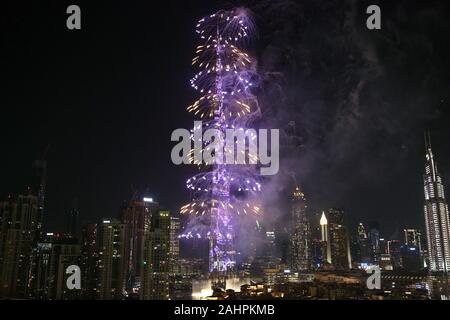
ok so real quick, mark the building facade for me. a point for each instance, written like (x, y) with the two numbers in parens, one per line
(338, 242)
(436, 215)
(156, 263)
(19, 228)
(300, 247)
(136, 216)
(112, 262)
(174, 250)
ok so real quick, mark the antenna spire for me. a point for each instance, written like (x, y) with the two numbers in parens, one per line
(427, 137)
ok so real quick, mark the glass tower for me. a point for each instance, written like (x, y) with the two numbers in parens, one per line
(436, 214)
(300, 255)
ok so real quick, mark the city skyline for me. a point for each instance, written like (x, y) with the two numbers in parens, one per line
(137, 195)
(322, 247)
(136, 254)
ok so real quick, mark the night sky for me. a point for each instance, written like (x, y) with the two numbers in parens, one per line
(352, 103)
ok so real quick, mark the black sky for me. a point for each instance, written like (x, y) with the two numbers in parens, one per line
(106, 99)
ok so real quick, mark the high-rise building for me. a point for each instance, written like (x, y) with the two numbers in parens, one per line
(317, 252)
(339, 240)
(136, 216)
(89, 261)
(111, 238)
(174, 249)
(325, 239)
(436, 214)
(53, 254)
(67, 254)
(39, 282)
(155, 268)
(383, 246)
(374, 241)
(393, 248)
(19, 222)
(270, 244)
(413, 237)
(300, 247)
(364, 252)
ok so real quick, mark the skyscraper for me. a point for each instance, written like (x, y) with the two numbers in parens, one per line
(111, 235)
(224, 192)
(136, 215)
(18, 232)
(436, 214)
(174, 250)
(53, 255)
(89, 261)
(155, 267)
(325, 239)
(339, 240)
(374, 241)
(393, 248)
(67, 254)
(300, 254)
(413, 237)
(363, 245)
(270, 241)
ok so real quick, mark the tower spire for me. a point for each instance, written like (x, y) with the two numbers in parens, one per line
(427, 137)
(428, 151)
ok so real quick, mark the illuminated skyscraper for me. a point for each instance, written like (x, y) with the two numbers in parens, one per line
(413, 237)
(224, 192)
(53, 255)
(155, 267)
(364, 252)
(89, 261)
(393, 248)
(300, 255)
(136, 215)
(339, 240)
(18, 232)
(174, 250)
(436, 214)
(111, 236)
(325, 239)
(373, 237)
(270, 241)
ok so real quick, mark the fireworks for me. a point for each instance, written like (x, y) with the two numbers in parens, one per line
(225, 77)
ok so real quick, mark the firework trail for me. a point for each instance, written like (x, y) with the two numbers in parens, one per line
(223, 193)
